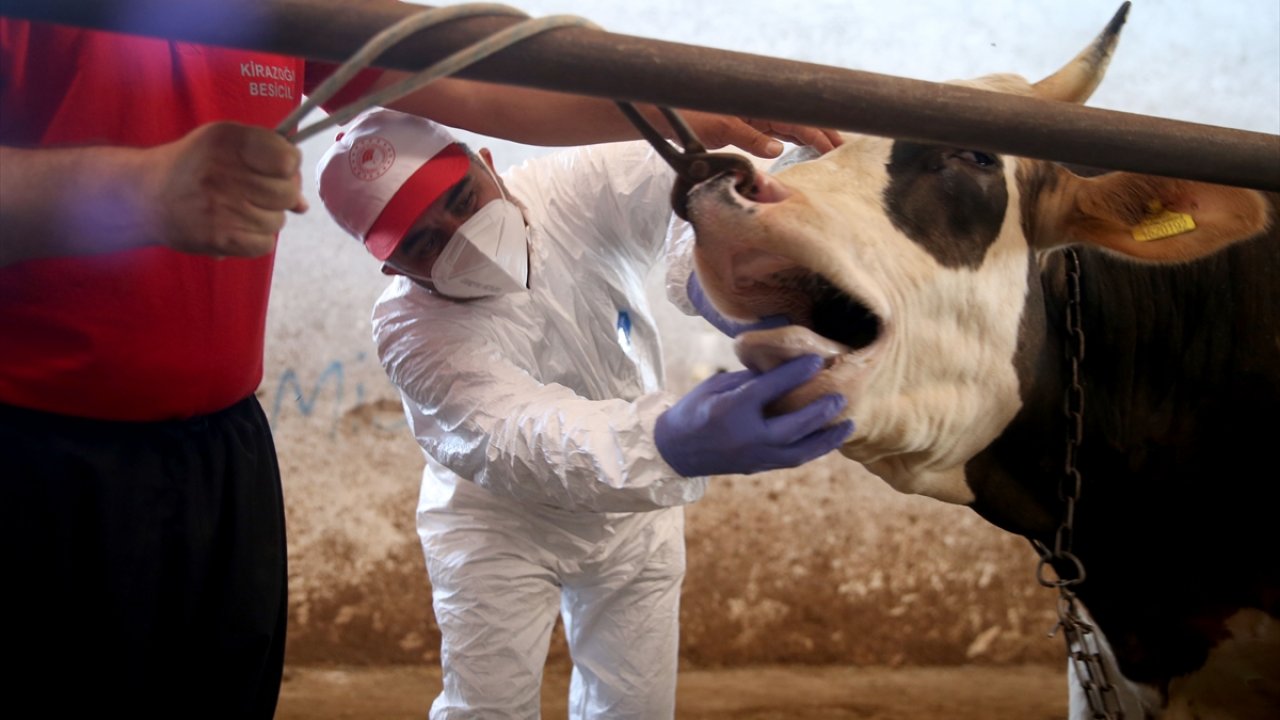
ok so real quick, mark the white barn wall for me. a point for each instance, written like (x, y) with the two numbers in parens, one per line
(824, 564)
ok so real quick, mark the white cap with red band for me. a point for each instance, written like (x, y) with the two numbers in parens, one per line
(384, 171)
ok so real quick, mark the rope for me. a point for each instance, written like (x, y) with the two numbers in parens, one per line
(692, 166)
(396, 33)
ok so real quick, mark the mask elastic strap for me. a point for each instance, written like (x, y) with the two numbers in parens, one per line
(501, 189)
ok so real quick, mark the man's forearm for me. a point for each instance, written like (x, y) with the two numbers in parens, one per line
(524, 115)
(221, 189)
(540, 117)
(72, 201)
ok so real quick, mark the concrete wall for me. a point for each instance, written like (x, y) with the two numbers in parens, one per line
(822, 564)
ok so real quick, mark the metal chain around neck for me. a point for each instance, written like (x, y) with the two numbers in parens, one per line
(1084, 649)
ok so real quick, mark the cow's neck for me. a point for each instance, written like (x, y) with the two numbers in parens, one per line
(998, 476)
(1182, 387)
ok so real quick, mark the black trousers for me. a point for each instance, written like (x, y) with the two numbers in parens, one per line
(143, 566)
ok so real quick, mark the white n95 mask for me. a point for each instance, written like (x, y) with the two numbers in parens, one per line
(487, 255)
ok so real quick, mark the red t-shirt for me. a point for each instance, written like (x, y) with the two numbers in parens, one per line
(144, 334)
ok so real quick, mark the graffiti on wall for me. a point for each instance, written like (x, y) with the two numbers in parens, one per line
(324, 394)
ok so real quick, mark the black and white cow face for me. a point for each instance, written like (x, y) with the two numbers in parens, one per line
(914, 270)
(903, 264)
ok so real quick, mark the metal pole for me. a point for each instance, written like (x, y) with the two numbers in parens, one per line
(590, 62)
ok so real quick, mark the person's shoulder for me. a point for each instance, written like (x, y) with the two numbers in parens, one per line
(419, 322)
(625, 154)
(586, 157)
(402, 297)
(405, 302)
(396, 291)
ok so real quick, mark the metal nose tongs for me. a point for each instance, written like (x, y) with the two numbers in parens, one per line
(694, 164)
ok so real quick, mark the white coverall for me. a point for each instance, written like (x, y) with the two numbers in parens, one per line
(544, 490)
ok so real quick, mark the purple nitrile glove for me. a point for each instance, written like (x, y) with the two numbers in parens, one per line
(720, 427)
(693, 289)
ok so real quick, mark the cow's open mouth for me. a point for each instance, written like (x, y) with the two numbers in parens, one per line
(812, 301)
(837, 316)
(826, 321)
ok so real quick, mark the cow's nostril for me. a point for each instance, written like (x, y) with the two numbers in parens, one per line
(764, 189)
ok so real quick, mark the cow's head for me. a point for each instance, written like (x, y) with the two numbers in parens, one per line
(913, 269)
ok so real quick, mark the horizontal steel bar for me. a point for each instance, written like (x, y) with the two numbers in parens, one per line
(597, 63)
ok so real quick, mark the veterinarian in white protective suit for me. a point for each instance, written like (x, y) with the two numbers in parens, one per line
(519, 335)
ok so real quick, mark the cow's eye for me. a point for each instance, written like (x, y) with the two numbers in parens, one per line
(980, 159)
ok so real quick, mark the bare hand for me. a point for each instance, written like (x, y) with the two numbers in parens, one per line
(758, 137)
(223, 189)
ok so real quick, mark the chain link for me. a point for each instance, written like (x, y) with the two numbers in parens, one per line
(1084, 650)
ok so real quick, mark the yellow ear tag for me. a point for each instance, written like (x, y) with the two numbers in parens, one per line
(1161, 223)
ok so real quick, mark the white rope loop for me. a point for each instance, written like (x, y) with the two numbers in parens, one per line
(396, 33)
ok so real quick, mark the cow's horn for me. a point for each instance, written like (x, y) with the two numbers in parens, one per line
(1077, 79)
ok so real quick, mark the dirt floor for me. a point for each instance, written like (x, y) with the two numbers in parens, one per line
(1025, 692)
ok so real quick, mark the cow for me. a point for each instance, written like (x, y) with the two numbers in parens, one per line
(951, 291)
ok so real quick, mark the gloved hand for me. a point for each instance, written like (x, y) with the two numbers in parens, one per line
(720, 428)
(693, 289)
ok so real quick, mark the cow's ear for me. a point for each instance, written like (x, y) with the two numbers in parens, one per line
(1146, 217)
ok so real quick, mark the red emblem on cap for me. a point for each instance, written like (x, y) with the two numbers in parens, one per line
(371, 157)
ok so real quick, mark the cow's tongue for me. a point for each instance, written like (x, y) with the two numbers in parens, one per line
(763, 350)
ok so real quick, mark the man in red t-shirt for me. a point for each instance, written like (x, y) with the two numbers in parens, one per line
(141, 505)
